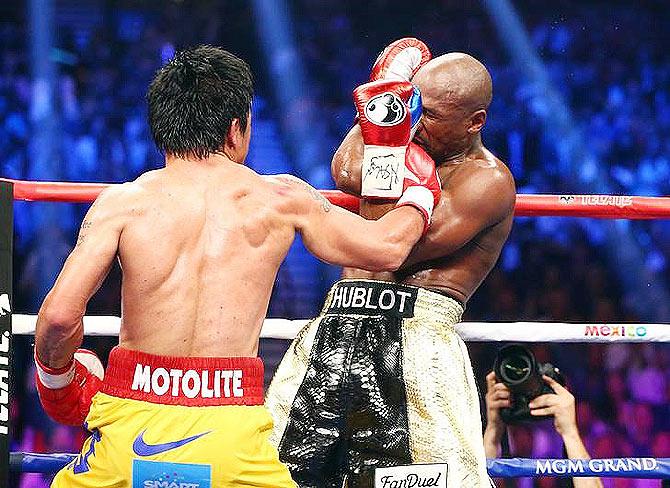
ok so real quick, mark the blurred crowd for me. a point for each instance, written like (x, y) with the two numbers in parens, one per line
(607, 62)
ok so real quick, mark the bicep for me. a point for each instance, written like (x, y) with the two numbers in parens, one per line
(461, 215)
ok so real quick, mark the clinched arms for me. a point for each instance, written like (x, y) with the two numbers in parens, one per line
(395, 170)
(339, 237)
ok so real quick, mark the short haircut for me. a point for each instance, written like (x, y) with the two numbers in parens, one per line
(194, 99)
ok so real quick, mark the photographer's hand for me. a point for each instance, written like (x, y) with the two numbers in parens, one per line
(562, 406)
(497, 397)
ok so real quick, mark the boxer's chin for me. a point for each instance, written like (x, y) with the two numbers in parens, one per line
(423, 145)
(419, 142)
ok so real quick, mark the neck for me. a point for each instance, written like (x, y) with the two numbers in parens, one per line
(472, 145)
(214, 159)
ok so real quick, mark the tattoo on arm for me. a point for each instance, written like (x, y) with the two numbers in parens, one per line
(83, 231)
(325, 203)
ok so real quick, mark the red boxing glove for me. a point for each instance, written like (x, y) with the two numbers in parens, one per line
(421, 185)
(400, 60)
(66, 393)
(385, 119)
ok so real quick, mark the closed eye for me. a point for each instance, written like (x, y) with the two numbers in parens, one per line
(428, 113)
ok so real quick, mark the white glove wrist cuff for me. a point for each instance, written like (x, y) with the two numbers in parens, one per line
(420, 197)
(54, 381)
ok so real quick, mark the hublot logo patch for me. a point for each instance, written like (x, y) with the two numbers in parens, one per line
(373, 298)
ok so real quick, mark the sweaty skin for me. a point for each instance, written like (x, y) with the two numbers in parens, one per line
(200, 243)
(474, 216)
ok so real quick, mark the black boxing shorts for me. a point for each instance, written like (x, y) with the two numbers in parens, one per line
(379, 379)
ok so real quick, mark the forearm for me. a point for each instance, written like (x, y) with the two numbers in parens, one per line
(574, 446)
(388, 241)
(575, 449)
(492, 442)
(58, 335)
(374, 210)
(403, 226)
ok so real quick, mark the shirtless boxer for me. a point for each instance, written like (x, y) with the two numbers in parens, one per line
(199, 242)
(362, 388)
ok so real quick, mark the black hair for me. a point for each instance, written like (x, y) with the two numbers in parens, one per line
(194, 99)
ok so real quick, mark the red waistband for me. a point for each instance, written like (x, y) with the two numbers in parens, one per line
(194, 382)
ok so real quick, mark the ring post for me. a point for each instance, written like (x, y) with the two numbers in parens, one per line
(6, 237)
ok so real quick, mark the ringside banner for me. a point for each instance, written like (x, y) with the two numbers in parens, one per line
(635, 467)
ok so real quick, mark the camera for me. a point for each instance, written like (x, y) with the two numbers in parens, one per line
(515, 365)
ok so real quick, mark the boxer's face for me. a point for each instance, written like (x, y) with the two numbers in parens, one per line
(443, 129)
(449, 121)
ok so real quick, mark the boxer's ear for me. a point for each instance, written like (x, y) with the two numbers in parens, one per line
(237, 139)
(239, 131)
(477, 121)
(235, 134)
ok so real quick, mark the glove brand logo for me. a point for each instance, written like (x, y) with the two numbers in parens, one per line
(5, 307)
(141, 448)
(416, 475)
(385, 110)
(566, 199)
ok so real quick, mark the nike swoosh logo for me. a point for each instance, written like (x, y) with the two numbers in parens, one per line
(141, 448)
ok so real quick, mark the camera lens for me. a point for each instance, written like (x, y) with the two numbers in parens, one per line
(515, 368)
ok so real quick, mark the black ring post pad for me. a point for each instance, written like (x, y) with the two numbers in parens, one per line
(6, 238)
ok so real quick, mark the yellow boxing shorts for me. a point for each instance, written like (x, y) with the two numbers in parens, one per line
(172, 422)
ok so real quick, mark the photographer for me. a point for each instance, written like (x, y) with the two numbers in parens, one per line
(560, 405)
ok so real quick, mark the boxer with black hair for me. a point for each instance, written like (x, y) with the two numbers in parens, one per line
(200, 242)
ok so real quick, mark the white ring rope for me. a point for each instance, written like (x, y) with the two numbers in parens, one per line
(469, 331)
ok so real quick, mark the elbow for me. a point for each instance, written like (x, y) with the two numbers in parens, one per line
(393, 250)
(396, 261)
(54, 317)
(58, 327)
(393, 258)
(389, 258)
(342, 181)
(342, 175)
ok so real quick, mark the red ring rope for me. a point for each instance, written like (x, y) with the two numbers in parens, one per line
(594, 206)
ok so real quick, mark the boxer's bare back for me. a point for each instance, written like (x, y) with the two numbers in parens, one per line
(474, 217)
(200, 243)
